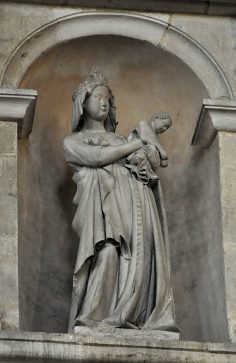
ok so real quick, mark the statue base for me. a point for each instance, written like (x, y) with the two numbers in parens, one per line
(130, 335)
(120, 347)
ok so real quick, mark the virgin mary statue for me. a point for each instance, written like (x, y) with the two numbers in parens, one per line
(122, 273)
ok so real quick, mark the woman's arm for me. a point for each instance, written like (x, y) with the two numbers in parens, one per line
(96, 156)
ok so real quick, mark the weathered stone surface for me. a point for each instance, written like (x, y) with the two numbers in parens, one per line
(108, 347)
(159, 31)
(227, 147)
(215, 116)
(130, 335)
(193, 204)
(213, 33)
(18, 105)
(46, 190)
(210, 7)
(9, 301)
(8, 140)
(218, 117)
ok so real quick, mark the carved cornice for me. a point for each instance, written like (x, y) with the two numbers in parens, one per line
(18, 105)
(215, 116)
(206, 7)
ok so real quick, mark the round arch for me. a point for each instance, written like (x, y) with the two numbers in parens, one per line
(155, 31)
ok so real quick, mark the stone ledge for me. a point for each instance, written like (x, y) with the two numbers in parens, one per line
(205, 7)
(18, 105)
(216, 115)
(108, 347)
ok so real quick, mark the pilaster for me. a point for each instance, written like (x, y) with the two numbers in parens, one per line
(218, 119)
(16, 117)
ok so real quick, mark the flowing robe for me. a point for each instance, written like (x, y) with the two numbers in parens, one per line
(122, 273)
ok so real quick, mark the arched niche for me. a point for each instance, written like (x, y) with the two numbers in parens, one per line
(144, 79)
(155, 31)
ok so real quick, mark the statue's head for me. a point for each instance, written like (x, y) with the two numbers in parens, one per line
(161, 121)
(86, 102)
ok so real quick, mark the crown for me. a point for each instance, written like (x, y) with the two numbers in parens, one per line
(96, 78)
(160, 115)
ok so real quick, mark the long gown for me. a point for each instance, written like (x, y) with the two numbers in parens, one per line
(122, 273)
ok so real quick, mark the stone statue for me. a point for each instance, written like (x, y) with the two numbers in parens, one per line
(122, 274)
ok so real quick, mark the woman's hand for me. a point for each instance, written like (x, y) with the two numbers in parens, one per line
(153, 155)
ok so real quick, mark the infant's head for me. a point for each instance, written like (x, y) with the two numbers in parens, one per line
(160, 122)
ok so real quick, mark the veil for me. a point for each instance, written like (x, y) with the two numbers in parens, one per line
(84, 90)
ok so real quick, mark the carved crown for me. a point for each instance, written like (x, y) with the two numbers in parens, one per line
(96, 78)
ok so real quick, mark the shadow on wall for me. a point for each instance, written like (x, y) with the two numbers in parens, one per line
(144, 79)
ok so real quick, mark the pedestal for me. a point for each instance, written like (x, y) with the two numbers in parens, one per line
(131, 335)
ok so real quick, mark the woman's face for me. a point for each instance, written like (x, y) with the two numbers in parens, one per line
(96, 106)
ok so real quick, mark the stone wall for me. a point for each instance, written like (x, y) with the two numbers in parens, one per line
(144, 78)
(9, 304)
(209, 7)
